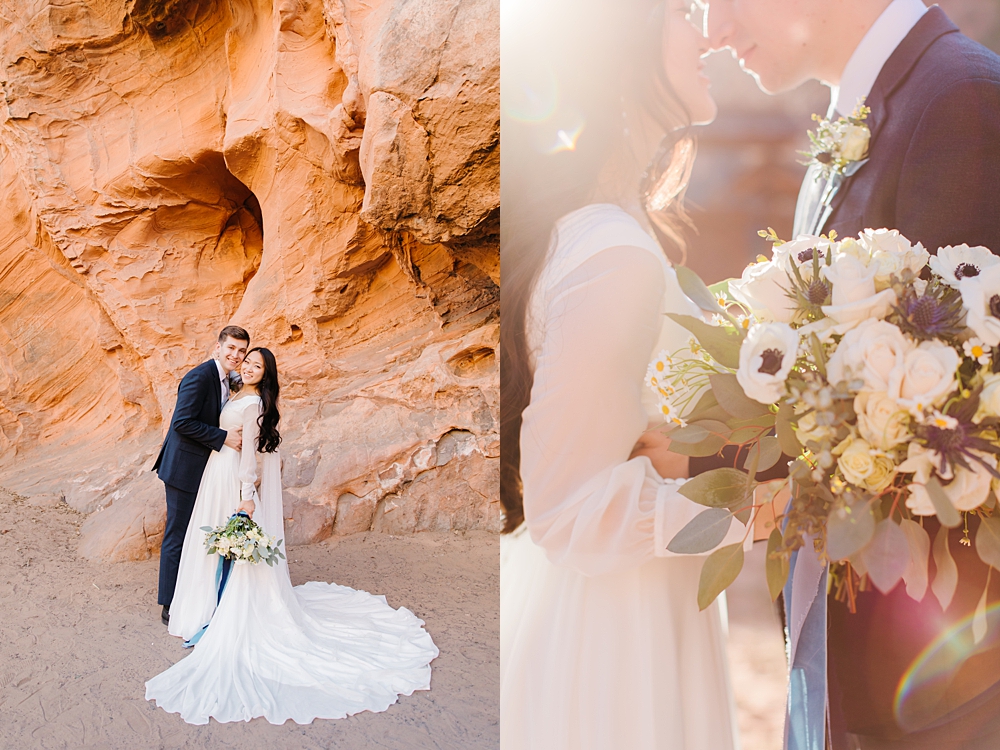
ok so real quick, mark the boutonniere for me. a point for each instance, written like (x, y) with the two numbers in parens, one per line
(840, 147)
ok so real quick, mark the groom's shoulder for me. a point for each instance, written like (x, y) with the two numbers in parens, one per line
(955, 60)
(198, 370)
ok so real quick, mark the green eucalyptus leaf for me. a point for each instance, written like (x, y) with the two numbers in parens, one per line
(692, 434)
(718, 488)
(943, 508)
(946, 578)
(848, 530)
(765, 453)
(749, 431)
(721, 287)
(887, 556)
(744, 514)
(775, 566)
(697, 432)
(722, 343)
(695, 289)
(720, 569)
(988, 541)
(714, 427)
(706, 403)
(710, 446)
(702, 533)
(790, 444)
(919, 543)
(731, 397)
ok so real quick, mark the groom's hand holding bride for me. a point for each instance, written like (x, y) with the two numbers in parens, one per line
(656, 447)
(234, 438)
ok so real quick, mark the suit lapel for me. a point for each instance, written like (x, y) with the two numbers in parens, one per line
(896, 70)
(217, 389)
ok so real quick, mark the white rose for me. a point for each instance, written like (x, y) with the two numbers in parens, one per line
(989, 399)
(854, 146)
(953, 264)
(981, 297)
(892, 253)
(880, 420)
(928, 377)
(853, 281)
(863, 466)
(854, 295)
(875, 352)
(766, 358)
(763, 288)
(967, 491)
(851, 248)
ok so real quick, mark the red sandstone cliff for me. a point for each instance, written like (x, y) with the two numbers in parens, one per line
(324, 173)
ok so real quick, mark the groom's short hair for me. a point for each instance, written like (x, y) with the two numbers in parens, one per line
(233, 332)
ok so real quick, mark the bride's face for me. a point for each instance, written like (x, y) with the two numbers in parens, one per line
(252, 371)
(684, 49)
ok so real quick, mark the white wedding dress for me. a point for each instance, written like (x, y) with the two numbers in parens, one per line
(602, 646)
(316, 651)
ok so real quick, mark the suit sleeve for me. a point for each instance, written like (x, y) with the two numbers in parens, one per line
(949, 189)
(190, 396)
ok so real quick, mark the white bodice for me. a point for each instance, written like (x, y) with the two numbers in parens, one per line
(233, 412)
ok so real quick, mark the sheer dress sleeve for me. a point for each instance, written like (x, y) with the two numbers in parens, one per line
(585, 502)
(249, 473)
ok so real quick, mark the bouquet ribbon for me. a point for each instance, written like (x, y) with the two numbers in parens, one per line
(221, 579)
(805, 615)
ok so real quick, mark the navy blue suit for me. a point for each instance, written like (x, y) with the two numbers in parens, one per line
(194, 433)
(933, 174)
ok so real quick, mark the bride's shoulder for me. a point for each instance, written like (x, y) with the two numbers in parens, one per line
(588, 231)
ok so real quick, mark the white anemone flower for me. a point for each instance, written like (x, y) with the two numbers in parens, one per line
(766, 359)
(953, 264)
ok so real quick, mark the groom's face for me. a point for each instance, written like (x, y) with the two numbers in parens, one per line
(775, 40)
(231, 353)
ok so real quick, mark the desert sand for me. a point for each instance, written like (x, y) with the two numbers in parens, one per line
(78, 640)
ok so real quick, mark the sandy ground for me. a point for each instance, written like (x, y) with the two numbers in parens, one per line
(78, 640)
(757, 657)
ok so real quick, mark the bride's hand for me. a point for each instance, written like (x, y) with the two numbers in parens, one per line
(656, 446)
(247, 507)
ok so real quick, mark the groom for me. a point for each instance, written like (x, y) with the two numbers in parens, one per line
(194, 433)
(934, 174)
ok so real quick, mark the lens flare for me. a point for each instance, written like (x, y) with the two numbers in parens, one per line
(922, 697)
(566, 140)
(531, 98)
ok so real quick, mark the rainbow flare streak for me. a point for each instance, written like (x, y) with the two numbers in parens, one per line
(918, 701)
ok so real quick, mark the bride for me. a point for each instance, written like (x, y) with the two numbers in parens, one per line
(264, 648)
(602, 644)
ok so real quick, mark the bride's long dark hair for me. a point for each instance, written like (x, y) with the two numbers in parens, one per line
(579, 80)
(269, 438)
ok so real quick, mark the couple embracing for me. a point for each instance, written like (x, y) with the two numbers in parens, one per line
(261, 646)
(602, 642)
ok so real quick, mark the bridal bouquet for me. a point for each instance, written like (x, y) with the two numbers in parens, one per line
(242, 540)
(875, 368)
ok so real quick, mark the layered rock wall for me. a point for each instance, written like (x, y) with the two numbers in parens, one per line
(324, 173)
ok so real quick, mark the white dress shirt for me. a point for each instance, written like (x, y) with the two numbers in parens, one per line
(875, 49)
(224, 381)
